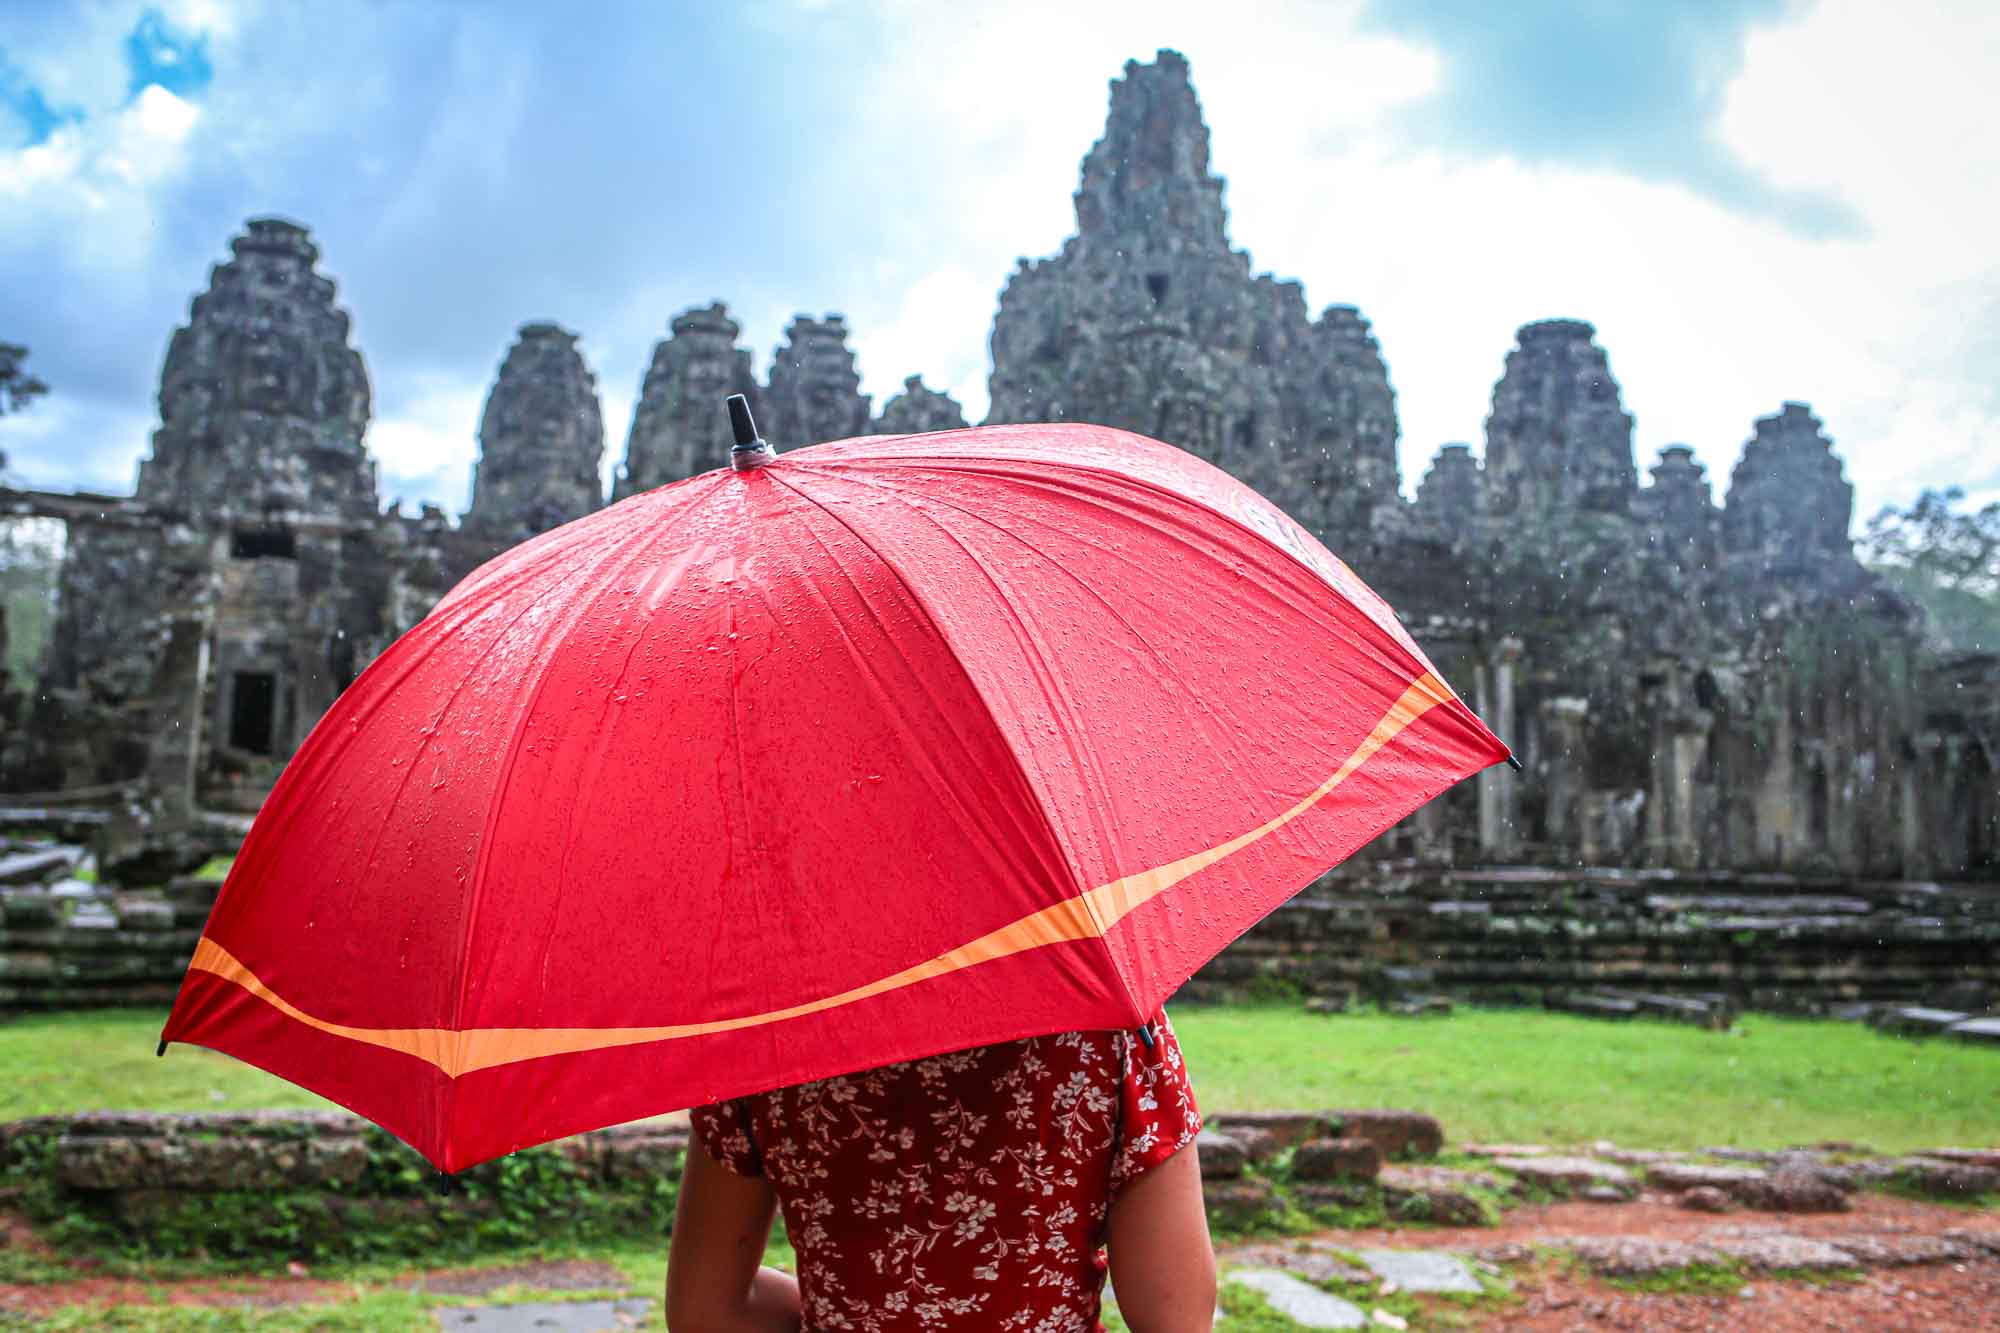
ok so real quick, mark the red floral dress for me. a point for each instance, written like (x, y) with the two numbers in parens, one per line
(966, 1190)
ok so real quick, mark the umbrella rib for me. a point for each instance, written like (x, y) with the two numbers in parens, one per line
(641, 530)
(1041, 811)
(1027, 635)
(1083, 916)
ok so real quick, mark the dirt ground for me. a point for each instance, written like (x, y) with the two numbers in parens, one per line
(1552, 1297)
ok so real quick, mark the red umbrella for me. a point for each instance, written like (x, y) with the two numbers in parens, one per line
(892, 746)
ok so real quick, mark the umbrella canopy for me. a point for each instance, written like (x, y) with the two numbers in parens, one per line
(891, 747)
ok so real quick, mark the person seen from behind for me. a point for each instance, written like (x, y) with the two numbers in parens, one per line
(975, 1190)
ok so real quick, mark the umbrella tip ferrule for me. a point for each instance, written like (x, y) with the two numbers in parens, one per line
(1514, 763)
(752, 450)
(163, 1049)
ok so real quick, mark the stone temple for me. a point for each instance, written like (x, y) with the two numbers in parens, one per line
(1690, 684)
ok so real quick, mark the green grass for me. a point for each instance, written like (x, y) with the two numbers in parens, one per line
(1523, 1076)
(56, 1064)
(1491, 1075)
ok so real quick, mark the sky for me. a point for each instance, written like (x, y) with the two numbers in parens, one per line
(1753, 201)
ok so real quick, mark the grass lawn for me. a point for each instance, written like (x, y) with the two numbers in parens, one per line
(1492, 1075)
(1524, 1076)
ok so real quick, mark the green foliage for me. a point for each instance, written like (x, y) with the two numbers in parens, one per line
(30, 562)
(1947, 560)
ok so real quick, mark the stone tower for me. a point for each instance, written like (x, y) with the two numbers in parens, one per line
(541, 440)
(1679, 508)
(680, 427)
(815, 392)
(1558, 438)
(918, 410)
(1149, 321)
(1788, 501)
(1452, 494)
(262, 402)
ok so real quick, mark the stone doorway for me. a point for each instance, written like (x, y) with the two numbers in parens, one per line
(252, 708)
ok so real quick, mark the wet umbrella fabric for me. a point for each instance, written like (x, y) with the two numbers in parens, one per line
(890, 747)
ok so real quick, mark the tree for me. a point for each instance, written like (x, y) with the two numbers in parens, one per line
(17, 387)
(1948, 559)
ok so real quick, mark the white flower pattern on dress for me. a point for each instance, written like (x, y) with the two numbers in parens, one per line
(965, 1187)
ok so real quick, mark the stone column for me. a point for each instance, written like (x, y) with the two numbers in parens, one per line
(1688, 738)
(1563, 722)
(1499, 798)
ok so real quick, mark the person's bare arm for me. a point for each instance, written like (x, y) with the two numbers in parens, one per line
(715, 1281)
(1162, 1264)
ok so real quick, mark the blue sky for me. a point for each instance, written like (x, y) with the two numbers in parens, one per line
(1754, 201)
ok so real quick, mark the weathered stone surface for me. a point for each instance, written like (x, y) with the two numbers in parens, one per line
(1504, 1149)
(1241, 1204)
(1917, 1021)
(1261, 1145)
(1427, 1271)
(1568, 1175)
(815, 391)
(1287, 1128)
(1734, 1181)
(1986, 1157)
(97, 1162)
(1634, 1256)
(541, 440)
(1312, 1261)
(1305, 1305)
(918, 410)
(1984, 1030)
(35, 866)
(1899, 1251)
(1222, 1157)
(1707, 1199)
(1781, 1251)
(1557, 437)
(1939, 1179)
(679, 428)
(1399, 1134)
(1799, 1189)
(1435, 1194)
(1337, 1159)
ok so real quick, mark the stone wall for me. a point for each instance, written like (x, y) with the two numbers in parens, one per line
(1534, 936)
(69, 944)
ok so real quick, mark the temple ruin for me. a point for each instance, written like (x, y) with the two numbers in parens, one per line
(1701, 686)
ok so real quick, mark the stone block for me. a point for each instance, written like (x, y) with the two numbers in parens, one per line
(1259, 1144)
(1735, 1181)
(1399, 1134)
(1983, 1030)
(1568, 1175)
(1302, 1303)
(1286, 1128)
(27, 908)
(1780, 1251)
(1435, 1194)
(1987, 1157)
(142, 912)
(1337, 1159)
(1798, 1189)
(1241, 1205)
(1637, 1256)
(34, 867)
(1707, 1199)
(1221, 1157)
(1945, 1180)
(645, 1157)
(1902, 1251)
(1917, 1021)
(90, 1162)
(1428, 1271)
